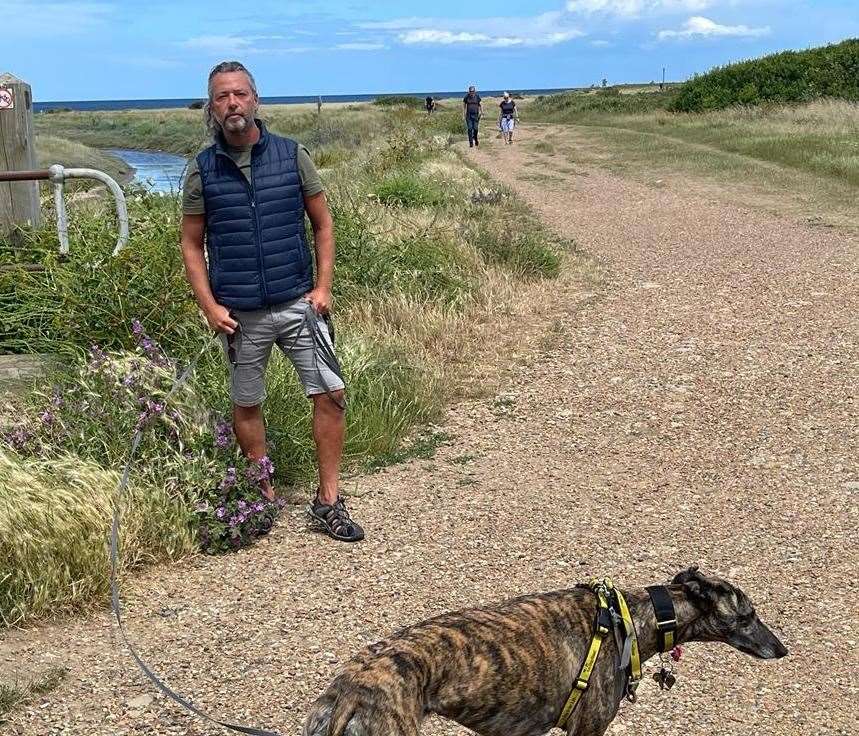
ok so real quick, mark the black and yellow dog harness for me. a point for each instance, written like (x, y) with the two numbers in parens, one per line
(613, 616)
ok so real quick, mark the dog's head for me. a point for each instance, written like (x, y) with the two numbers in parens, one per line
(727, 615)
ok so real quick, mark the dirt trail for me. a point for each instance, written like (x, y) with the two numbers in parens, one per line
(699, 408)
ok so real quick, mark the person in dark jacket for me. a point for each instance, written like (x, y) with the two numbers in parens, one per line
(244, 203)
(471, 113)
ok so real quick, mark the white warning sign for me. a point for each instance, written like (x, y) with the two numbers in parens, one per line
(7, 99)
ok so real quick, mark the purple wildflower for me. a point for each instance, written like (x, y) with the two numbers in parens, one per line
(97, 357)
(18, 438)
(242, 505)
(234, 521)
(266, 467)
(221, 512)
(229, 479)
(47, 417)
(57, 400)
(223, 434)
(258, 506)
(136, 328)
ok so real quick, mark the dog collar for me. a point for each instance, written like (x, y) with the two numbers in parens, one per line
(666, 617)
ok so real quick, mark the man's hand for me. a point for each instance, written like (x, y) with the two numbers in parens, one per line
(219, 319)
(321, 299)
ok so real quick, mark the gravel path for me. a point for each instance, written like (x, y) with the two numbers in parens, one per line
(696, 406)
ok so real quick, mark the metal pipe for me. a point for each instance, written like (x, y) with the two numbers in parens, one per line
(39, 174)
(62, 220)
(59, 174)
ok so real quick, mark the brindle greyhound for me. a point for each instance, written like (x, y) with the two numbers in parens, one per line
(507, 670)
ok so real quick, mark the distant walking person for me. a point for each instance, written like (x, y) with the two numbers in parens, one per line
(430, 104)
(471, 113)
(507, 119)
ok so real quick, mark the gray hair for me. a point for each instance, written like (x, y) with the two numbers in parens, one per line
(224, 67)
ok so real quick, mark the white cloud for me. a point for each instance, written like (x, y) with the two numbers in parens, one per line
(635, 8)
(546, 29)
(600, 43)
(426, 35)
(359, 46)
(700, 26)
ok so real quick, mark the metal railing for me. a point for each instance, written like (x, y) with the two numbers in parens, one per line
(58, 175)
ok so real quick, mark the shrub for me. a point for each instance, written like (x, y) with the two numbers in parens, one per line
(408, 189)
(399, 100)
(789, 76)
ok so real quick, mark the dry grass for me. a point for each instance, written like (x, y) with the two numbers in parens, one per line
(53, 547)
(802, 160)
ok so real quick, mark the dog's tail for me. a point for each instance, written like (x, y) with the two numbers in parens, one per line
(331, 716)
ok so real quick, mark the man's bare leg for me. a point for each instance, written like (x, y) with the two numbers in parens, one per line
(250, 432)
(329, 431)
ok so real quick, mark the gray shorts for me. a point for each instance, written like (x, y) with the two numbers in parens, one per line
(260, 329)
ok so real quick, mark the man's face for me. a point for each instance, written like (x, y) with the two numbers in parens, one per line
(234, 103)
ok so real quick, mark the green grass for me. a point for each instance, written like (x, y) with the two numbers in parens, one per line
(15, 694)
(417, 259)
(595, 105)
(408, 189)
(54, 150)
(820, 138)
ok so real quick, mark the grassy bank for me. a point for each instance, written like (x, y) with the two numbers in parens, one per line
(820, 138)
(799, 159)
(52, 149)
(424, 269)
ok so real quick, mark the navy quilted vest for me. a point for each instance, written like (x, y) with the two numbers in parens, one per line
(255, 235)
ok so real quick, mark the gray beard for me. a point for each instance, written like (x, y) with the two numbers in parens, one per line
(235, 124)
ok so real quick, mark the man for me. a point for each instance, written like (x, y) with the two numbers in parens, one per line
(471, 113)
(508, 116)
(245, 199)
(429, 103)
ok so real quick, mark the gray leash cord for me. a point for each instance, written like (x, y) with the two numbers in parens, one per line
(321, 349)
(114, 589)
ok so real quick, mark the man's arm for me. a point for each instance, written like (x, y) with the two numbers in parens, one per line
(316, 207)
(218, 316)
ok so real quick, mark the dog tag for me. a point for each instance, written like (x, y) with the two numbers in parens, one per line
(664, 679)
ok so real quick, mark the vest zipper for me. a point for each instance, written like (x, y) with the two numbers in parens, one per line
(251, 195)
(257, 231)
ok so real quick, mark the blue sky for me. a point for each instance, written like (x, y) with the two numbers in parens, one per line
(103, 49)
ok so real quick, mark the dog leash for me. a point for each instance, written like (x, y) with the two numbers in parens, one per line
(114, 556)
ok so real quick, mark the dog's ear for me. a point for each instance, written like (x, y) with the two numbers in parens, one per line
(684, 576)
(697, 586)
(701, 588)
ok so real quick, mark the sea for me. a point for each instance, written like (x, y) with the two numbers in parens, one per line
(184, 102)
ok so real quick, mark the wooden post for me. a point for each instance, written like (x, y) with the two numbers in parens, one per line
(19, 201)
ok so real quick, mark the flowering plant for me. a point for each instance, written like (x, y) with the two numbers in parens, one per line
(95, 408)
(235, 512)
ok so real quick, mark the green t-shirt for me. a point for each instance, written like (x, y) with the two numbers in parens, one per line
(192, 190)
